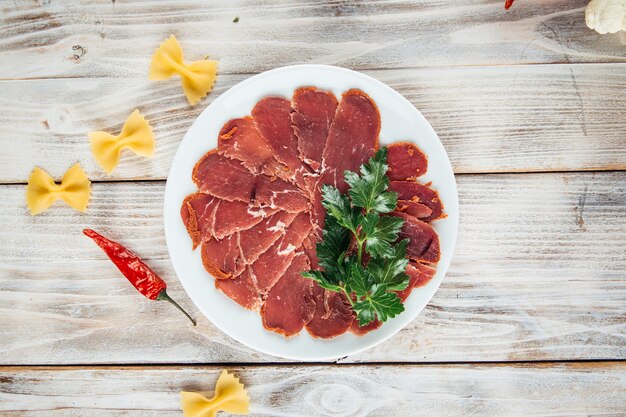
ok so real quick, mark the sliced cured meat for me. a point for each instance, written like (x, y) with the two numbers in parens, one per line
(242, 290)
(289, 304)
(415, 209)
(419, 193)
(361, 330)
(240, 140)
(352, 138)
(272, 118)
(423, 240)
(419, 275)
(223, 177)
(227, 258)
(276, 193)
(332, 316)
(273, 263)
(313, 113)
(310, 249)
(206, 216)
(405, 161)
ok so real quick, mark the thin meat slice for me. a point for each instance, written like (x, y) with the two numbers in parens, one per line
(405, 161)
(273, 263)
(223, 177)
(419, 193)
(415, 209)
(240, 140)
(333, 314)
(276, 193)
(419, 275)
(227, 258)
(313, 113)
(242, 289)
(206, 216)
(352, 139)
(423, 240)
(272, 118)
(289, 304)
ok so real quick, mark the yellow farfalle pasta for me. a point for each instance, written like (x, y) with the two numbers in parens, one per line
(42, 191)
(198, 77)
(136, 135)
(230, 396)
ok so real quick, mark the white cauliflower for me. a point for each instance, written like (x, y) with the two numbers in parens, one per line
(606, 16)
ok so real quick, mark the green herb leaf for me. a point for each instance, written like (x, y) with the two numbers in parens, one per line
(338, 206)
(334, 245)
(368, 190)
(381, 233)
(360, 280)
(390, 273)
(379, 304)
(322, 279)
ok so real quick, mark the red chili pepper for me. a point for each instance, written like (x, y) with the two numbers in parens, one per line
(508, 4)
(144, 279)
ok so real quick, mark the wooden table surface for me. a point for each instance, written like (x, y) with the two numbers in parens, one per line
(530, 105)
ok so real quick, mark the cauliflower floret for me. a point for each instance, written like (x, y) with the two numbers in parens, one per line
(606, 16)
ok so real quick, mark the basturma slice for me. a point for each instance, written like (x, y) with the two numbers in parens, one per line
(289, 304)
(333, 314)
(423, 240)
(419, 193)
(313, 113)
(206, 217)
(352, 139)
(223, 177)
(227, 258)
(419, 275)
(276, 193)
(272, 118)
(405, 161)
(415, 209)
(242, 289)
(273, 263)
(240, 140)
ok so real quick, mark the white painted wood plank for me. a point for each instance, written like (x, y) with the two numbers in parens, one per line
(462, 390)
(117, 38)
(490, 119)
(538, 274)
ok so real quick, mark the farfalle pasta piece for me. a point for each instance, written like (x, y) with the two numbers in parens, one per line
(136, 135)
(230, 396)
(42, 191)
(198, 77)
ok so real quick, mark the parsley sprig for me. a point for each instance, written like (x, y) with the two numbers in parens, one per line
(354, 228)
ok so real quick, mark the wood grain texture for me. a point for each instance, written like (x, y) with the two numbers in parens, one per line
(339, 391)
(490, 119)
(108, 38)
(538, 274)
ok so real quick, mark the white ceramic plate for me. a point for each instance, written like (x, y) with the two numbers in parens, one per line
(400, 121)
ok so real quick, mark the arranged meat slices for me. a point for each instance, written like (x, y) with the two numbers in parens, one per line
(312, 116)
(352, 138)
(423, 240)
(228, 257)
(333, 315)
(258, 212)
(405, 161)
(272, 118)
(418, 193)
(290, 304)
(276, 193)
(223, 177)
(240, 140)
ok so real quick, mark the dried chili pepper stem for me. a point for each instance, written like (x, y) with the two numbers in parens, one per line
(144, 279)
